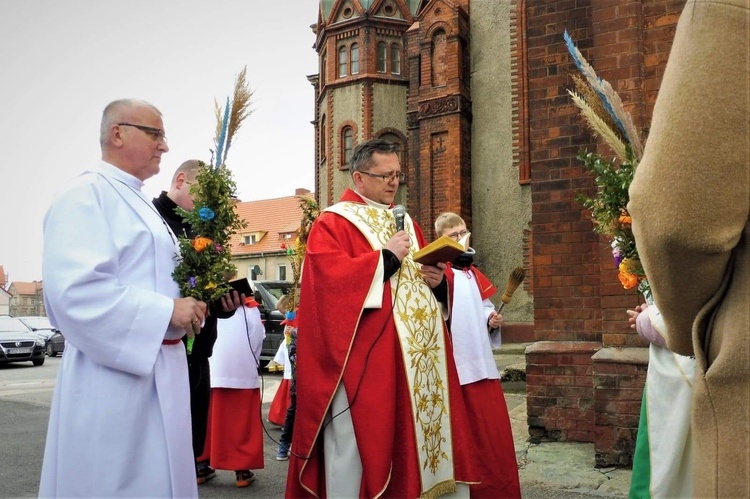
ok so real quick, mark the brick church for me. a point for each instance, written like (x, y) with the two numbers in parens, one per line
(474, 94)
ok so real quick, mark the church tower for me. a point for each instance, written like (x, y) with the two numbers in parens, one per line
(362, 61)
(439, 111)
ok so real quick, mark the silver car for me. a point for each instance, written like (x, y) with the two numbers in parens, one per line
(18, 343)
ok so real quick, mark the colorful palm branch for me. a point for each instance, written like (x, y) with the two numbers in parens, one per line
(604, 113)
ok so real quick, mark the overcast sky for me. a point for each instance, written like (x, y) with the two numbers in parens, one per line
(62, 61)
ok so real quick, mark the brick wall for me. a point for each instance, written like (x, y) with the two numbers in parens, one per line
(559, 390)
(577, 297)
(439, 115)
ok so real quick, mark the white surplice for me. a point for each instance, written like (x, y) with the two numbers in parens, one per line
(120, 418)
(472, 346)
(239, 341)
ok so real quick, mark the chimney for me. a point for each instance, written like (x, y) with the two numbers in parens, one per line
(301, 191)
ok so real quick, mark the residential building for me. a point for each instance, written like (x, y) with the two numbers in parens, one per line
(258, 251)
(27, 298)
(474, 92)
(4, 302)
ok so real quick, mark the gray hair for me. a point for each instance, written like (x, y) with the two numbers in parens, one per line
(113, 113)
(362, 155)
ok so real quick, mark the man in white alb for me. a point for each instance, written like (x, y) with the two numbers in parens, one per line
(120, 419)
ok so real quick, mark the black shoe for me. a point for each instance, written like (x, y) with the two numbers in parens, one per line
(203, 472)
(244, 478)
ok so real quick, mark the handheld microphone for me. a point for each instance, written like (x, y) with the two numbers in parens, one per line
(399, 213)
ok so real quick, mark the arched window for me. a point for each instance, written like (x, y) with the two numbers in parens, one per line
(382, 55)
(438, 58)
(395, 59)
(347, 146)
(342, 62)
(355, 58)
(394, 139)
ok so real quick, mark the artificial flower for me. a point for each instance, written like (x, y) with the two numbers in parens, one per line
(192, 282)
(209, 286)
(627, 279)
(206, 214)
(201, 243)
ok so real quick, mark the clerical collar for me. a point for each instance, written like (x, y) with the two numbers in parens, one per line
(112, 171)
(374, 204)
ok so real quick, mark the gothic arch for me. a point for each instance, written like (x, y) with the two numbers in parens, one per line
(437, 25)
(403, 154)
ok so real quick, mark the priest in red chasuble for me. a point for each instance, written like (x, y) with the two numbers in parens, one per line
(379, 406)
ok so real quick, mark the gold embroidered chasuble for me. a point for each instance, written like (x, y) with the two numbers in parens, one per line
(419, 324)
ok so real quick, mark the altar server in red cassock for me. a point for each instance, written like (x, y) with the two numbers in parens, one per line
(475, 329)
(235, 433)
(379, 409)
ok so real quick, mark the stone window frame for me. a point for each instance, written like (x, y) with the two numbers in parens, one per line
(343, 127)
(396, 50)
(343, 61)
(384, 46)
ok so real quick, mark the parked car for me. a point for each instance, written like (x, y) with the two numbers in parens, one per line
(44, 329)
(268, 294)
(55, 345)
(18, 343)
(39, 325)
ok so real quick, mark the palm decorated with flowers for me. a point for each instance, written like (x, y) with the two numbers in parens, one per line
(604, 113)
(205, 259)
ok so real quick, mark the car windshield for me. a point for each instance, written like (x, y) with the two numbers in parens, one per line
(37, 322)
(277, 290)
(8, 324)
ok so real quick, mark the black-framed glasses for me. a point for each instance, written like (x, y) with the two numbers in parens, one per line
(155, 133)
(400, 176)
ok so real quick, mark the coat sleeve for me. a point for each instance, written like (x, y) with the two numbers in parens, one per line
(689, 198)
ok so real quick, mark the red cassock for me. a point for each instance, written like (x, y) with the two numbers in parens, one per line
(488, 413)
(340, 340)
(280, 403)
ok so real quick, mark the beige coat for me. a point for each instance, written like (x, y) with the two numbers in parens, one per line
(690, 202)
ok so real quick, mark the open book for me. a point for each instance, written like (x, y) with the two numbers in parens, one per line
(444, 249)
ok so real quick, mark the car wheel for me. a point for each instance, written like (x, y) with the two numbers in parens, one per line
(50, 349)
(38, 362)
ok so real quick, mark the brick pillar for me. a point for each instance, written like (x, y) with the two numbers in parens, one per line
(439, 115)
(618, 376)
(559, 390)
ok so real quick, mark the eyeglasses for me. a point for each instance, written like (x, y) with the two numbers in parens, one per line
(155, 133)
(458, 234)
(401, 176)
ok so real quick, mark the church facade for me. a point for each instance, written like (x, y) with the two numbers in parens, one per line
(474, 94)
